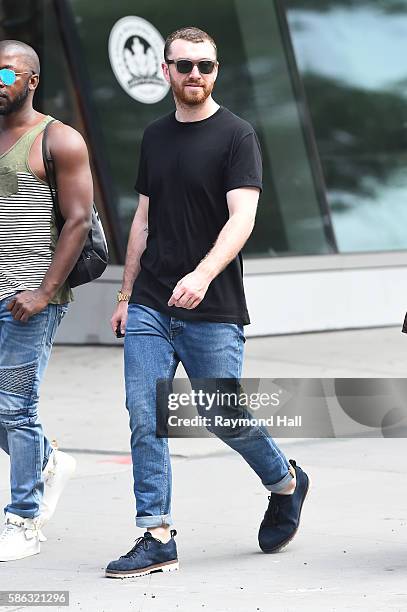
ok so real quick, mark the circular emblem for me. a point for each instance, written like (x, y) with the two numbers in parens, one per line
(136, 52)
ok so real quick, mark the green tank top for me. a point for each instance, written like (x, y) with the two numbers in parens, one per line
(28, 232)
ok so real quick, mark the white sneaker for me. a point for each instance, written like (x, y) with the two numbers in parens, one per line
(59, 469)
(19, 538)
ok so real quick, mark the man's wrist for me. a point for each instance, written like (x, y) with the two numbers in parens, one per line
(207, 269)
(47, 293)
(123, 296)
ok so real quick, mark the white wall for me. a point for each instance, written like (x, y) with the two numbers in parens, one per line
(284, 296)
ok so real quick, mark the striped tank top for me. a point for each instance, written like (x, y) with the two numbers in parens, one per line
(28, 233)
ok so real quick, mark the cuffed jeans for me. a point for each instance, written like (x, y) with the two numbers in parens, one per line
(154, 345)
(24, 353)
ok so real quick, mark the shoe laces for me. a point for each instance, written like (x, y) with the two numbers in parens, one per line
(8, 530)
(31, 527)
(271, 515)
(142, 542)
(51, 472)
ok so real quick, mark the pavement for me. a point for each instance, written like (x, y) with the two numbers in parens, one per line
(350, 552)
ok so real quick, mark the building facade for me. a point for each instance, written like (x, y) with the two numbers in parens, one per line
(324, 83)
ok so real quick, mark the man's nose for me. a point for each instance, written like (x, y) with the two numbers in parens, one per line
(195, 72)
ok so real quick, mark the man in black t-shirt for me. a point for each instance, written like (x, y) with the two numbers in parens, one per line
(182, 297)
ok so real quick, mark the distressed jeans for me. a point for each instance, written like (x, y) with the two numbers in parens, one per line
(24, 353)
(154, 345)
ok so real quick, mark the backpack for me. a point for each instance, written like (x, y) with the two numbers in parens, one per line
(94, 258)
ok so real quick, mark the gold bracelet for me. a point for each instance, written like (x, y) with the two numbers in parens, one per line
(122, 297)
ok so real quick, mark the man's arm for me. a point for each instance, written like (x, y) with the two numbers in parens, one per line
(135, 248)
(242, 204)
(75, 196)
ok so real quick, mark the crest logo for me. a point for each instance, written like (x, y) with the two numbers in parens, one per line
(136, 52)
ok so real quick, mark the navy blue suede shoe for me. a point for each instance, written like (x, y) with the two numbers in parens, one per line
(147, 556)
(282, 517)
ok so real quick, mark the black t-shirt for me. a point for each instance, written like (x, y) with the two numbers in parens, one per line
(186, 170)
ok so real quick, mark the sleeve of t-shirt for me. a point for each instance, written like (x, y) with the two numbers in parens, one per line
(245, 168)
(141, 185)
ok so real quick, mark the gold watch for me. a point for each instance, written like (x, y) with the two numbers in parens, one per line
(122, 297)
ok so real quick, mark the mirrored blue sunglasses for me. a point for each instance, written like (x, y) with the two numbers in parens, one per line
(8, 76)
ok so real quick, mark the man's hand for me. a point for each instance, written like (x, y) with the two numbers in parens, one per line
(119, 317)
(190, 290)
(28, 303)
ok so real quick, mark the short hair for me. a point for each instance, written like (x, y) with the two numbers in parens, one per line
(27, 53)
(189, 33)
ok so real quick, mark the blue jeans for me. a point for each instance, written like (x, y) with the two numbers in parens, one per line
(24, 352)
(154, 345)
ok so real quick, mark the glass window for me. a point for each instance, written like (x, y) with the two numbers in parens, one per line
(351, 55)
(35, 22)
(254, 82)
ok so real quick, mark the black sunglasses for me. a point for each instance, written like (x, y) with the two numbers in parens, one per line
(185, 66)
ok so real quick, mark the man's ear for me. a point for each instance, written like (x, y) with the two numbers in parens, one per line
(33, 82)
(166, 71)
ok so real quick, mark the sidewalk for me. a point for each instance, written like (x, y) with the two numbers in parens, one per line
(350, 554)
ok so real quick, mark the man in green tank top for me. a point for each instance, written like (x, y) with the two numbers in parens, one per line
(34, 264)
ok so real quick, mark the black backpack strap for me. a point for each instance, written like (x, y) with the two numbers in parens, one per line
(49, 166)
